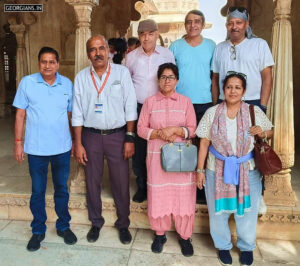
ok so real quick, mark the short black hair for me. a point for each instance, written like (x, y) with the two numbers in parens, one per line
(195, 12)
(235, 75)
(133, 41)
(112, 41)
(50, 50)
(171, 66)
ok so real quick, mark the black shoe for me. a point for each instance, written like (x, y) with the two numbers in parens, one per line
(140, 195)
(125, 236)
(225, 257)
(93, 234)
(246, 258)
(158, 243)
(35, 242)
(68, 236)
(187, 249)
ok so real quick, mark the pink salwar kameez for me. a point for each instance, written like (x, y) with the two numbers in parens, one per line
(169, 194)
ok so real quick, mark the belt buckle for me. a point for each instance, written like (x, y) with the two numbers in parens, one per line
(103, 132)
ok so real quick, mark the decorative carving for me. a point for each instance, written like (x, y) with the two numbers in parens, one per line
(78, 185)
(201, 211)
(283, 9)
(83, 10)
(22, 67)
(79, 202)
(280, 218)
(279, 189)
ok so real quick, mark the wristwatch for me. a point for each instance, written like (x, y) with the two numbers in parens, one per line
(129, 133)
(200, 171)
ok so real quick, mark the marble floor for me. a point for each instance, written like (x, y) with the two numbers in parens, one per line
(108, 250)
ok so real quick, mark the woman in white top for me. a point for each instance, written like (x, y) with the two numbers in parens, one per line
(232, 186)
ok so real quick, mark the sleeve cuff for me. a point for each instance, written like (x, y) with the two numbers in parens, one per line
(186, 133)
(149, 133)
(76, 123)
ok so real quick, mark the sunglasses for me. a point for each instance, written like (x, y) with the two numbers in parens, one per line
(232, 52)
(240, 9)
(236, 73)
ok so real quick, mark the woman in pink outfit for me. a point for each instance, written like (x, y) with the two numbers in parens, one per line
(168, 117)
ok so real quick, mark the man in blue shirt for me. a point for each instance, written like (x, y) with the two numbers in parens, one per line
(193, 55)
(45, 99)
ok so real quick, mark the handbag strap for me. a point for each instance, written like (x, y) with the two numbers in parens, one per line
(252, 115)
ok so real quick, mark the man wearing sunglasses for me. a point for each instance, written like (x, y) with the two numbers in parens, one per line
(246, 53)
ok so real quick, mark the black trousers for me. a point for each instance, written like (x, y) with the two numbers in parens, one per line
(139, 158)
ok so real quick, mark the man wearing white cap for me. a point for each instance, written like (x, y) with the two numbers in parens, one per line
(244, 52)
(143, 63)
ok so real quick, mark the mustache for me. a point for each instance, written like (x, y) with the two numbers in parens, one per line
(235, 31)
(96, 57)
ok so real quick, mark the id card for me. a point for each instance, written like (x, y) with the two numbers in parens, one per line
(99, 108)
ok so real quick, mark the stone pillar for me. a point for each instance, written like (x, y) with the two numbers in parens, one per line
(22, 67)
(278, 187)
(83, 10)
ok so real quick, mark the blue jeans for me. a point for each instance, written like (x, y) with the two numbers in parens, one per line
(245, 225)
(60, 168)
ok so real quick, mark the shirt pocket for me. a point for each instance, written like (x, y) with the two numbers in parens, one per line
(116, 90)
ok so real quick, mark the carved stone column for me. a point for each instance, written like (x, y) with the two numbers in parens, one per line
(83, 10)
(22, 67)
(278, 187)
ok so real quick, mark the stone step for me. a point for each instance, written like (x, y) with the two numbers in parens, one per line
(279, 223)
(15, 188)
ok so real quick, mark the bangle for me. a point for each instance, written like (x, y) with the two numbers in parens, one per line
(18, 140)
(266, 136)
(200, 171)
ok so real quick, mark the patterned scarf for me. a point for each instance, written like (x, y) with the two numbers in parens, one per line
(231, 198)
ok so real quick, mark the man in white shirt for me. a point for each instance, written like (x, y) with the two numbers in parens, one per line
(104, 114)
(245, 53)
(143, 63)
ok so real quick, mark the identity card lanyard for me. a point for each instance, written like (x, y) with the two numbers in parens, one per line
(98, 105)
(104, 83)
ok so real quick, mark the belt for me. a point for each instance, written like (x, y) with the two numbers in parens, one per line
(104, 131)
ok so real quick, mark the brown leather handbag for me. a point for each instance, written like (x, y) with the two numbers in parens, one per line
(266, 159)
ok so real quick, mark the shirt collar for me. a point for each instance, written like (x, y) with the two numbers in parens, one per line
(141, 50)
(40, 79)
(106, 70)
(173, 97)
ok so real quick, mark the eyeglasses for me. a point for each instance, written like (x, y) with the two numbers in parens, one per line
(233, 52)
(236, 73)
(171, 78)
(240, 9)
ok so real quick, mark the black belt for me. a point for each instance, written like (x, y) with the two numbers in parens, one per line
(104, 131)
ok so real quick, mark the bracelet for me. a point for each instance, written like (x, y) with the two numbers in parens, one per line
(18, 140)
(129, 133)
(200, 171)
(266, 137)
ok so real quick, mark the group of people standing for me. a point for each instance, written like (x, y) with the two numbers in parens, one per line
(175, 95)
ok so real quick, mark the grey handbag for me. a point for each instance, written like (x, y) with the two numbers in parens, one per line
(179, 157)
